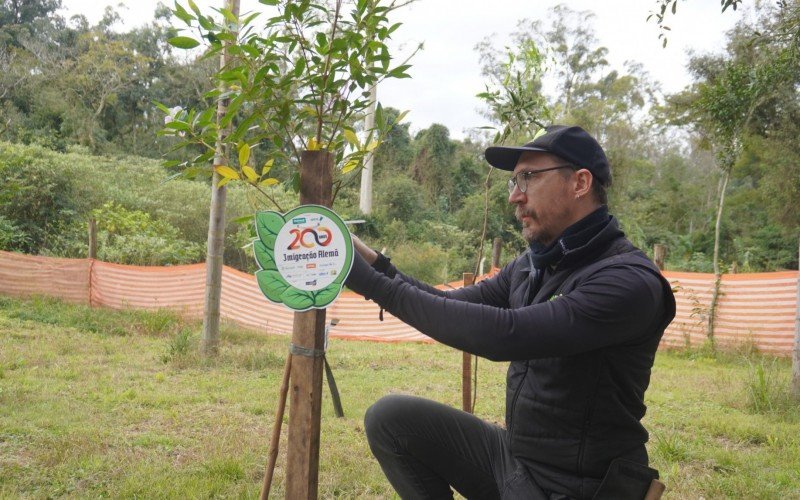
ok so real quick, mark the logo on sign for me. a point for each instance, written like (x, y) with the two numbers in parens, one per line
(310, 237)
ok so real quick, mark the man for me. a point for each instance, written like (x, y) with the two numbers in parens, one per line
(579, 316)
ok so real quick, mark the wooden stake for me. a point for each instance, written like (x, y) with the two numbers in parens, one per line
(302, 462)
(659, 255)
(466, 365)
(275, 441)
(497, 249)
(92, 239)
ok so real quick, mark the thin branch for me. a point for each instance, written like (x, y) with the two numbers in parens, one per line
(338, 184)
(325, 74)
(339, 120)
(305, 57)
(270, 198)
(485, 219)
(393, 6)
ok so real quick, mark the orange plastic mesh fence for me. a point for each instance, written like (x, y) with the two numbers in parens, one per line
(757, 309)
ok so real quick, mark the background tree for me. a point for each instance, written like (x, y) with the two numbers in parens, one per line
(433, 164)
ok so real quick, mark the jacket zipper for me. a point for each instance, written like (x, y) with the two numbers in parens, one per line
(586, 420)
(514, 401)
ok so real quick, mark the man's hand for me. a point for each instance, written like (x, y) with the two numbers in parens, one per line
(366, 252)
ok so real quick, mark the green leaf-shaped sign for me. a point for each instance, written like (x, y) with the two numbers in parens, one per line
(268, 224)
(297, 299)
(304, 256)
(327, 294)
(272, 285)
(264, 257)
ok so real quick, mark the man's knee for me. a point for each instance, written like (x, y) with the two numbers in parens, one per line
(384, 419)
(381, 413)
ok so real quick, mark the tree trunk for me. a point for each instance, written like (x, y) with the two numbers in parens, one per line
(365, 200)
(308, 331)
(712, 312)
(216, 224)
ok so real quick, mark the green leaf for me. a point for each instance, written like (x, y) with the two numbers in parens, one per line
(296, 182)
(181, 14)
(269, 2)
(177, 125)
(268, 224)
(244, 154)
(401, 116)
(351, 137)
(229, 16)
(400, 71)
(251, 174)
(245, 219)
(264, 257)
(297, 299)
(300, 66)
(183, 42)
(267, 166)
(162, 107)
(205, 23)
(322, 42)
(272, 285)
(227, 172)
(350, 165)
(226, 37)
(254, 52)
(327, 295)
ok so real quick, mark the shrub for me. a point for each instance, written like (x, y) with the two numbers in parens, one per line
(35, 199)
(425, 261)
(10, 235)
(47, 198)
(133, 237)
(399, 197)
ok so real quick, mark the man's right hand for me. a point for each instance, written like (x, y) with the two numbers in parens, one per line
(366, 252)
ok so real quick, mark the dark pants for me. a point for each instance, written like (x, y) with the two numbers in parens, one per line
(425, 448)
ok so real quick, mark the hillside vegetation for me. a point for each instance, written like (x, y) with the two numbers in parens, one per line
(78, 114)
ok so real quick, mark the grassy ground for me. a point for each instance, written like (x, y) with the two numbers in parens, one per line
(97, 403)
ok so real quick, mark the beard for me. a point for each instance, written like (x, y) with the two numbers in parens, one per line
(532, 230)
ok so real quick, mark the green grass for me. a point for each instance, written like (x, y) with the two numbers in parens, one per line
(99, 403)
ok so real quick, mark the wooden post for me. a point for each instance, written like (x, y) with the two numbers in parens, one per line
(466, 365)
(659, 255)
(497, 249)
(796, 350)
(92, 239)
(308, 331)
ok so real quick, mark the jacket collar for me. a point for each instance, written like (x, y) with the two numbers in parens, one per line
(588, 237)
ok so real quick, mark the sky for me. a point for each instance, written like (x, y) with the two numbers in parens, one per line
(446, 74)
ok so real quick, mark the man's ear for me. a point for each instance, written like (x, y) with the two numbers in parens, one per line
(583, 183)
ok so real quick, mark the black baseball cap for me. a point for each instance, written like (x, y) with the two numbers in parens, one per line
(570, 143)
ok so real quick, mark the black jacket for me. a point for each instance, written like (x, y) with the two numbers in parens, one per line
(581, 349)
